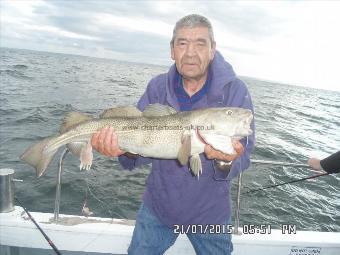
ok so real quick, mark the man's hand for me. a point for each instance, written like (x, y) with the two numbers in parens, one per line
(106, 142)
(314, 163)
(211, 153)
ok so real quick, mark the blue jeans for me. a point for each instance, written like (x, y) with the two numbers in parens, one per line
(151, 237)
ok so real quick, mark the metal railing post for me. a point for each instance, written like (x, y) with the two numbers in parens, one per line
(58, 188)
(6, 190)
(238, 202)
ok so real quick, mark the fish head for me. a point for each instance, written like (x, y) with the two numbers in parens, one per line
(228, 121)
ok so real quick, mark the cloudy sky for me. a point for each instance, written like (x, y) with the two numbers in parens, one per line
(295, 42)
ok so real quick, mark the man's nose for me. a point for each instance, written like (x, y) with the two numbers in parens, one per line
(191, 50)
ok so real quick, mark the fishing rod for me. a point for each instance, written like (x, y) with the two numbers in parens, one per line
(282, 164)
(277, 163)
(40, 229)
(280, 184)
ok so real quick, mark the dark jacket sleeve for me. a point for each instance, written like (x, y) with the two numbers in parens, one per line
(331, 164)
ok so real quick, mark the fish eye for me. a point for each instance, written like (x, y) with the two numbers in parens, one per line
(229, 112)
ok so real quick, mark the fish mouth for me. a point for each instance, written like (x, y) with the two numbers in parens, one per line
(244, 128)
(241, 135)
(247, 122)
(248, 118)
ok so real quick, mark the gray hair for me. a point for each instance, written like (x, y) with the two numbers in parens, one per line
(191, 21)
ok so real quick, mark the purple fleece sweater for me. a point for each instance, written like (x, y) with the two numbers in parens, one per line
(172, 193)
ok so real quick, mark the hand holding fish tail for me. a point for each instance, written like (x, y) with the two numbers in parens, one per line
(211, 153)
(106, 142)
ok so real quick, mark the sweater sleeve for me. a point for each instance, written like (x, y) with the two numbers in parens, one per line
(331, 164)
(238, 96)
(149, 97)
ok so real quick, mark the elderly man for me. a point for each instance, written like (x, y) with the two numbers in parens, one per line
(175, 201)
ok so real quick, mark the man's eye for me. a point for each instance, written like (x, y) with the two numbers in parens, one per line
(201, 43)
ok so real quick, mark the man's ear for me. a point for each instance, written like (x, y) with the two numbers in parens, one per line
(213, 51)
(172, 52)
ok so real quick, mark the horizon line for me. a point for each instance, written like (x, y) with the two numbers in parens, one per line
(161, 65)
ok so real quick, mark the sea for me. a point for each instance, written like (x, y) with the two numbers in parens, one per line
(292, 123)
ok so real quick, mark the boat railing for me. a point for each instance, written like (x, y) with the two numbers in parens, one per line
(58, 186)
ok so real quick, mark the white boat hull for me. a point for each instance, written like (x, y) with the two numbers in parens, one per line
(80, 235)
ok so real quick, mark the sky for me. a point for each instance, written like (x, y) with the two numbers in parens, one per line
(293, 42)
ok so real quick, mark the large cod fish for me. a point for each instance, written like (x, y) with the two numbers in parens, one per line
(158, 132)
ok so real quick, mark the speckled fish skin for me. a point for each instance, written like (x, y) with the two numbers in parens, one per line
(150, 135)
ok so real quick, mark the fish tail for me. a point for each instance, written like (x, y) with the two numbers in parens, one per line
(37, 157)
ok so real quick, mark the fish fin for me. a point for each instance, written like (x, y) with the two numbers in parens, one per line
(76, 147)
(196, 165)
(185, 150)
(73, 118)
(124, 111)
(35, 157)
(156, 110)
(197, 146)
(219, 142)
(86, 157)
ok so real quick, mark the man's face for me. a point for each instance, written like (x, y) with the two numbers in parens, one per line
(192, 52)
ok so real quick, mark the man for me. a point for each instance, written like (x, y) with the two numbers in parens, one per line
(174, 198)
(331, 164)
